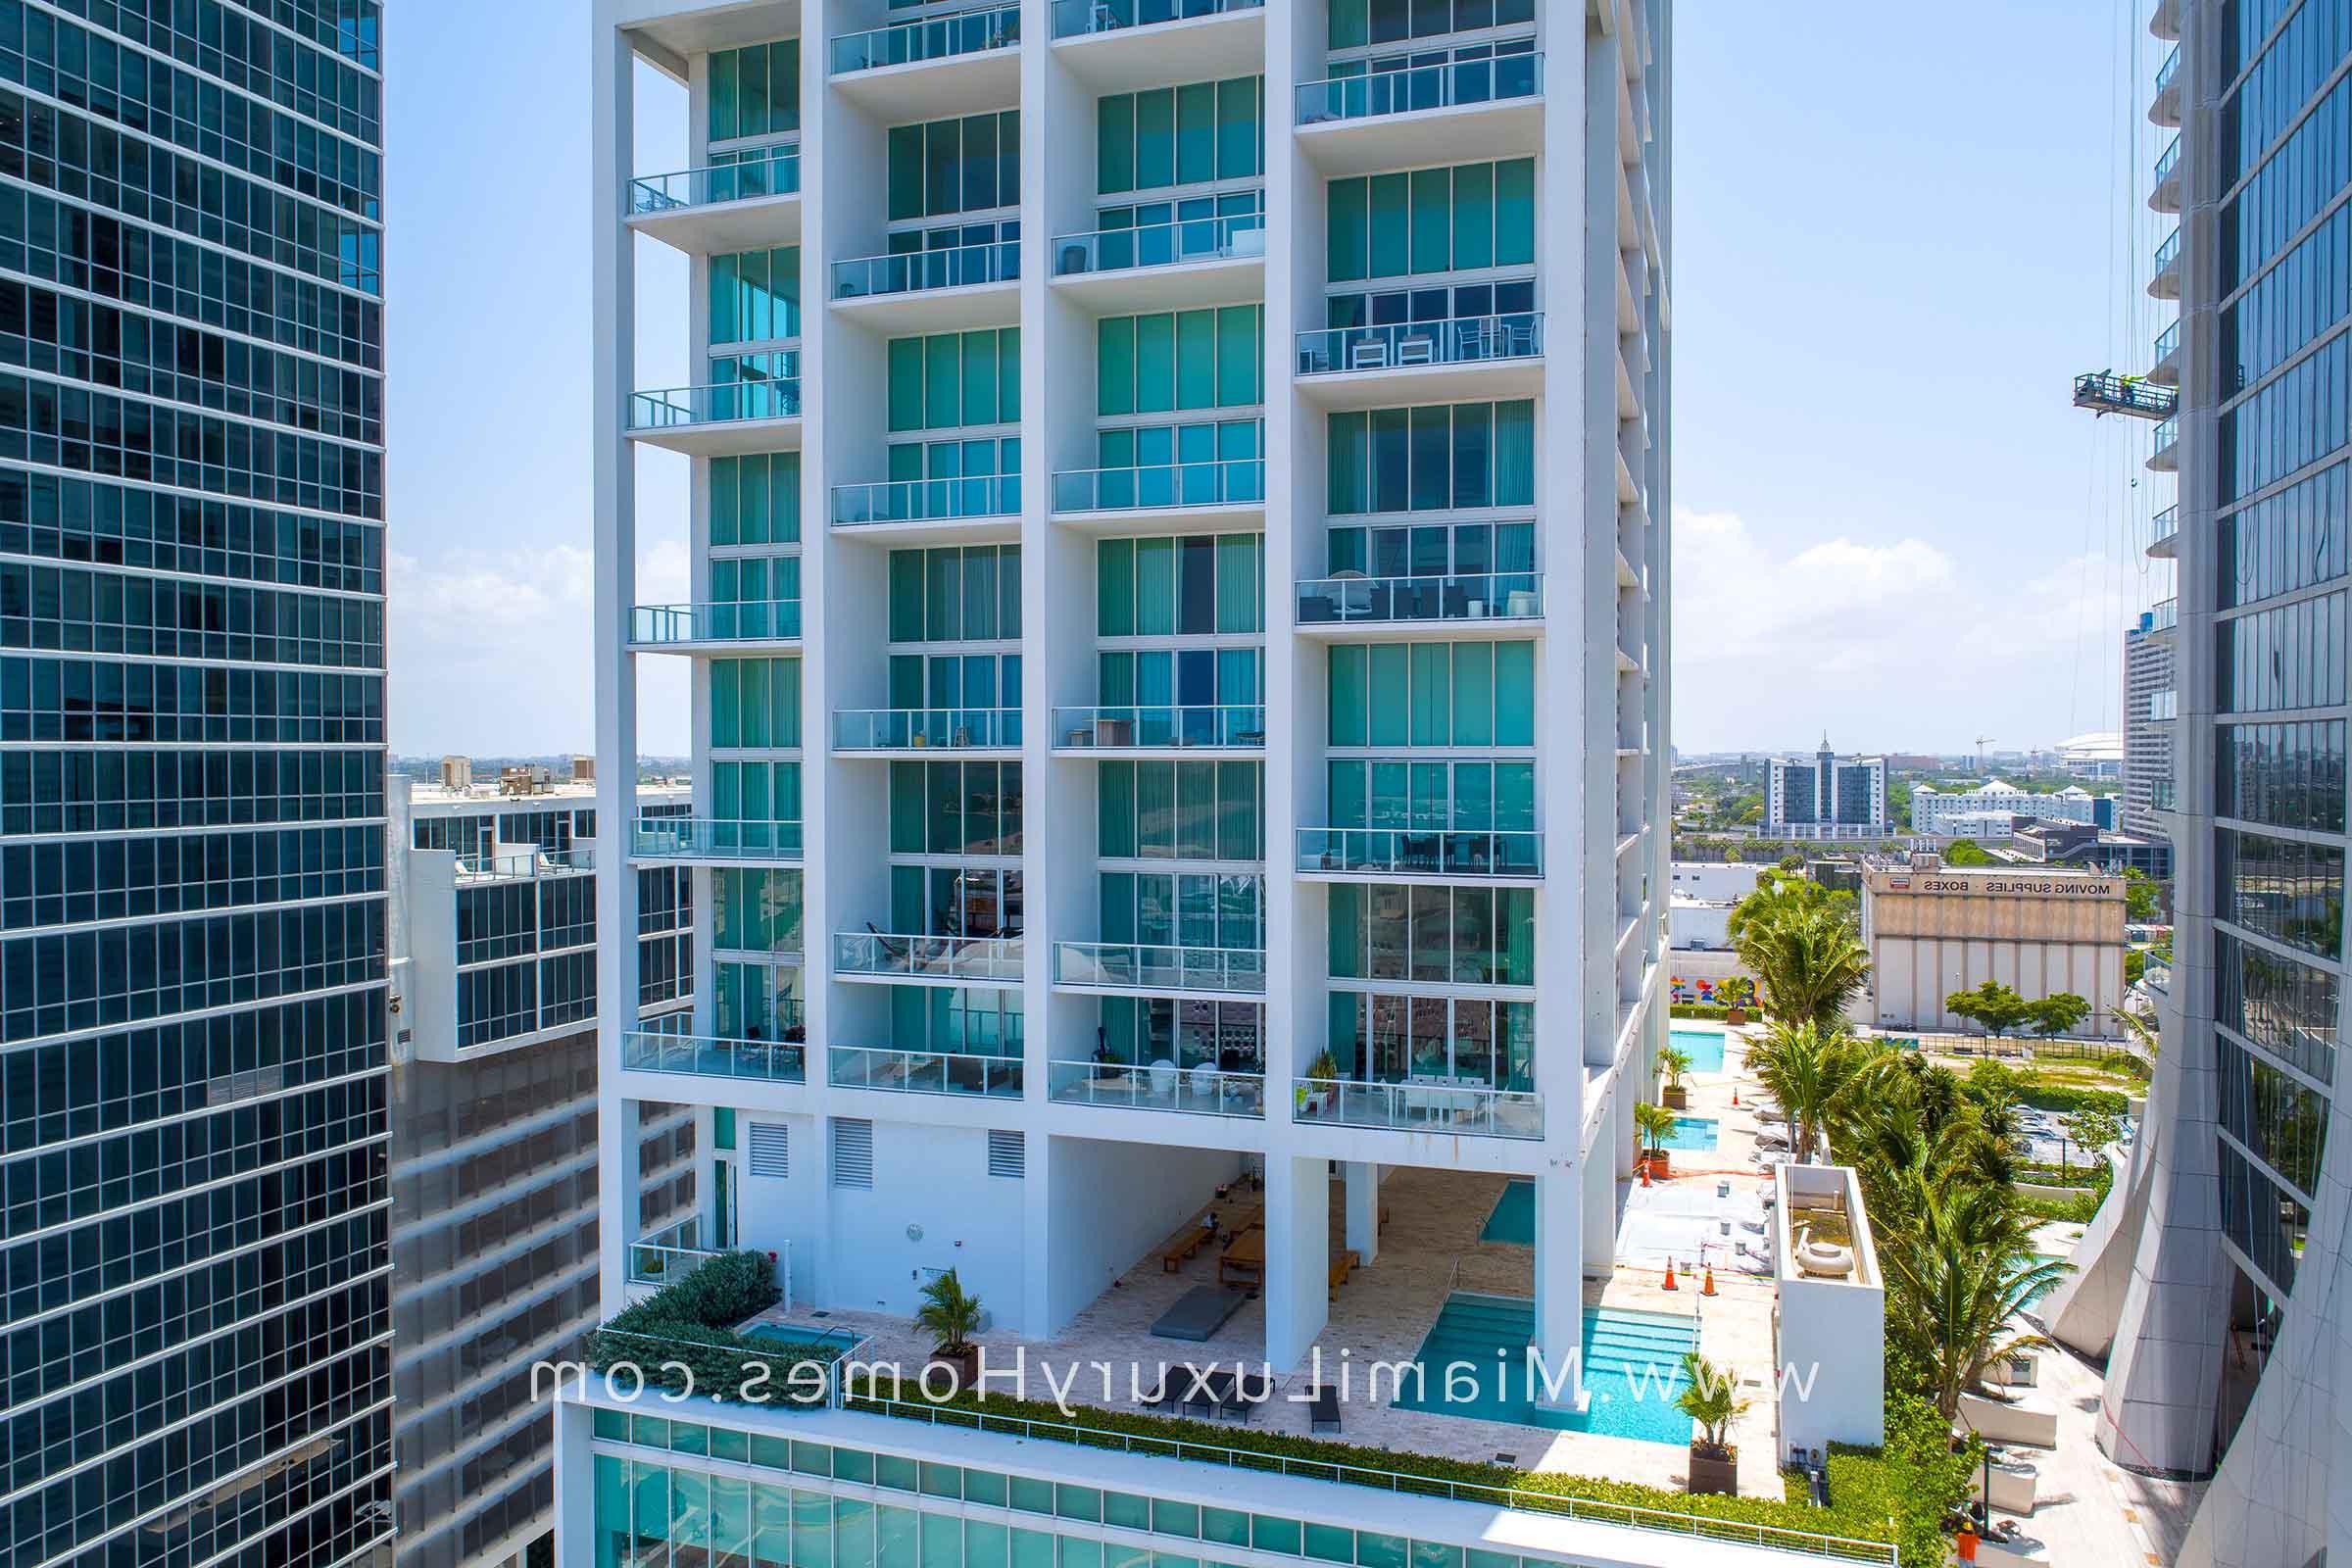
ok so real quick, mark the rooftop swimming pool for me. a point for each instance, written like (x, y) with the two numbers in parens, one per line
(1632, 1364)
(803, 1336)
(1704, 1048)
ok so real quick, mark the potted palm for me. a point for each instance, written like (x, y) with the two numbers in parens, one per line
(1711, 1396)
(950, 1315)
(1655, 1123)
(1674, 1061)
(1322, 1089)
(1737, 993)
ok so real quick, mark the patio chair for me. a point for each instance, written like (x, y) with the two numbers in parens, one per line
(1323, 1408)
(1203, 1081)
(1163, 1079)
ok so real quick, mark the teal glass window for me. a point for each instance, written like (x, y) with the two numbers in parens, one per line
(1355, 24)
(1193, 585)
(1432, 694)
(754, 702)
(1433, 457)
(756, 499)
(966, 165)
(956, 808)
(754, 92)
(1429, 220)
(1204, 359)
(1187, 135)
(951, 379)
(756, 910)
(968, 594)
(1461, 936)
(755, 296)
(1181, 810)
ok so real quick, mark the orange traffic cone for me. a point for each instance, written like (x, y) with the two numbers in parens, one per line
(1645, 1164)
(1734, 1095)
(1708, 1289)
(1669, 1285)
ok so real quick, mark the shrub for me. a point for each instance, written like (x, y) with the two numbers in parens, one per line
(682, 1337)
(1697, 1009)
(2067, 1099)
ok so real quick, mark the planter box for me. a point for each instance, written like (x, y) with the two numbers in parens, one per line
(965, 1365)
(1714, 1475)
(1737, 1017)
(1661, 1166)
(1674, 1098)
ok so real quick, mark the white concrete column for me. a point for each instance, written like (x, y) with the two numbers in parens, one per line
(1560, 1285)
(1298, 1288)
(1363, 1210)
(613, 292)
(1596, 1181)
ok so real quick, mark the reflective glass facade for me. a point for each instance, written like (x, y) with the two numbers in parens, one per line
(194, 1225)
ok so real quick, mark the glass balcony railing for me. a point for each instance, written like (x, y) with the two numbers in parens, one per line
(925, 1072)
(1075, 19)
(1203, 1090)
(1446, 85)
(2167, 343)
(1427, 1105)
(900, 729)
(2168, 162)
(1158, 969)
(784, 1061)
(1236, 481)
(942, 37)
(738, 621)
(1170, 244)
(675, 408)
(1111, 729)
(1421, 851)
(2164, 525)
(702, 837)
(1463, 340)
(912, 271)
(879, 952)
(926, 500)
(1374, 601)
(524, 866)
(770, 172)
(2165, 434)
(2165, 616)
(2164, 72)
(2169, 252)
(668, 1253)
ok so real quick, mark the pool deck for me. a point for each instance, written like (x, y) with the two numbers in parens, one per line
(1429, 1248)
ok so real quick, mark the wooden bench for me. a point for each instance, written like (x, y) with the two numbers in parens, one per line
(1182, 1248)
(1342, 1264)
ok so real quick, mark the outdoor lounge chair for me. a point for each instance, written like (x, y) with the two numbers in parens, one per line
(1323, 1408)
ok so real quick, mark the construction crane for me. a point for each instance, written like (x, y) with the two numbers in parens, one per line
(1980, 740)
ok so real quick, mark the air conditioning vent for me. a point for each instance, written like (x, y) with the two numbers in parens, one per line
(853, 1154)
(770, 1150)
(1008, 1154)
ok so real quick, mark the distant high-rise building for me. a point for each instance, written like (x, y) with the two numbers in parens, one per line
(194, 1228)
(1825, 796)
(2151, 711)
(2219, 1284)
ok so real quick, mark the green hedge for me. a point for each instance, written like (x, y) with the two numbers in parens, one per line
(2066, 1099)
(682, 1337)
(1866, 1477)
(1703, 1009)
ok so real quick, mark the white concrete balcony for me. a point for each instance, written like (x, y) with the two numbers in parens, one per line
(924, 1072)
(527, 866)
(1128, 731)
(1435, 114)
(2164, 533)
(777, 1061)
(2165, 197)
(719, 420)
(748, 204)
(1358, 607)
(976, 732)
(746, 626)
(1201, 1091)
(1475, 356)
(1181, 265)
(1153, 969)
(1420, 1106)
(2164, 457)
(981, 510)
(1418, 854)
(660, 1256)
(964, 286)
(879, 956)
(1166, 498)
(1120, 45)
(705, 841)
(2165, 22)
(2164, 282)
(2166, 371)
(956, 63)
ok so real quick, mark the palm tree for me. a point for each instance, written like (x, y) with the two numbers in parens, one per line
(949, 1314)
(1656, 1124)
(1817, 1075)
(1956, 1284)
(1674, 1061)
(1777, 896)
(1809, 961)
(1711, 1396)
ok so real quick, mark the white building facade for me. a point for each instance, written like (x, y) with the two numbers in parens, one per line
(1824, 795)
(1176, 526)
(1936, 813)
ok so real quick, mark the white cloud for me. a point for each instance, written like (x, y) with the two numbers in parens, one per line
(493, 651)
(1889, 643)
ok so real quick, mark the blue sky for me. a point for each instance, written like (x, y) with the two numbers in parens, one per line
(1895, 240)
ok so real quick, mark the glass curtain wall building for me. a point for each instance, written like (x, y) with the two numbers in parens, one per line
(193, 1200)
(1178, 520)
(2217, 1282)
